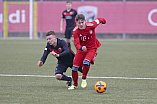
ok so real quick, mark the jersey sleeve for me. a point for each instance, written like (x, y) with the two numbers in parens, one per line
(76, 39)
(75, 13)
(63, 16)
(45, 54)
(65, 47)
(98, 21)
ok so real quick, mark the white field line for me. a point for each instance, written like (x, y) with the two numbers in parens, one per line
(8, 75)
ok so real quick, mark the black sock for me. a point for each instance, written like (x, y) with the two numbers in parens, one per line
(66, 78)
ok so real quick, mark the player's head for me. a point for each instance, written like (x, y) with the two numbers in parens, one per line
(51, 38)
(80, 21)
(69, 4)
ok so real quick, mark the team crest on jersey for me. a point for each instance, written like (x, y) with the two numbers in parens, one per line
(60, 49)
(90, 31)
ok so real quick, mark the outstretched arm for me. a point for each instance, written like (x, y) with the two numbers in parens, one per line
(44, 57)
(98, 21)
(102, 20)
(40, 63)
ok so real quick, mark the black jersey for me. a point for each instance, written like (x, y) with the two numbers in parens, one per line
(66, 55)
(70, 18)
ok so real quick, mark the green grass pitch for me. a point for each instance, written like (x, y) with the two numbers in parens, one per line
(120, 63)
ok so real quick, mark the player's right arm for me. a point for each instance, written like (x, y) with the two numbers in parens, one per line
(44, 57)
(40, 63)
(61, 24)
(76, 38)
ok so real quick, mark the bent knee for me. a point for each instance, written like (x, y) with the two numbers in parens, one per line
(75, 69)
(59, 76)
(86, 62)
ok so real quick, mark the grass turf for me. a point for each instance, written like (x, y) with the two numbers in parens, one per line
(116, 58)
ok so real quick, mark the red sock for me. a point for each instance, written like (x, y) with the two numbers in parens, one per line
(85, 71)
(75, 78)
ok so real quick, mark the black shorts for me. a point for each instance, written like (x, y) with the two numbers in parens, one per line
(61, 68)
(68, 33)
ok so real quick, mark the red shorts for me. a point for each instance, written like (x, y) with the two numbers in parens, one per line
(90, 55)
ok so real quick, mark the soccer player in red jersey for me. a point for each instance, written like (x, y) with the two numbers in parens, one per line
(86, 44)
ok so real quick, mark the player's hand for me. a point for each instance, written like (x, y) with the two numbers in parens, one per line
(54, 54)
(102, 20)
(84, 48)
(40, 63)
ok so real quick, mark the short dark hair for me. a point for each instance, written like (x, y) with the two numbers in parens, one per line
(69, 1)
(79, 17)
(50, 33)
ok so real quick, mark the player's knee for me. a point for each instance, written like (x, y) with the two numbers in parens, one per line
(86, 62)
(74, 68)
(59, 76)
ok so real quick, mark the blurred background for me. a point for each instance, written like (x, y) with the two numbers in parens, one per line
(126, 19)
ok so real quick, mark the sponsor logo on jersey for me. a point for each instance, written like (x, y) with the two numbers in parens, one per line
(68, 17)
(89, 24)
(90, 31)
(71, 13)
(60, 49)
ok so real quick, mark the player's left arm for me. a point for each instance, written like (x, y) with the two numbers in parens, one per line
(101, 20)
(65, 47)
(98, 21)
(62, 22)
(75, 13)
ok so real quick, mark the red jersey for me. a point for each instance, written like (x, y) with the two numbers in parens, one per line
(87, 37)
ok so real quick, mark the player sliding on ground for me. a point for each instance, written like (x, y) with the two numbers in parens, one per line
(86, 44)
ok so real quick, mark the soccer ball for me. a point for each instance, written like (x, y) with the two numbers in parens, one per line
(100, 87)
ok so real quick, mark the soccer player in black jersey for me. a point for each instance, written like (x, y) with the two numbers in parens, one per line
(69, 15)
(59, 49)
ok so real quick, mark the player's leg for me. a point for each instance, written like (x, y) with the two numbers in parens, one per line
(60, 68)
(86, 65)
(75, 78)
(76, 63)
(72, 37)
(90, 56)
(68, 36)
(92, 61)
